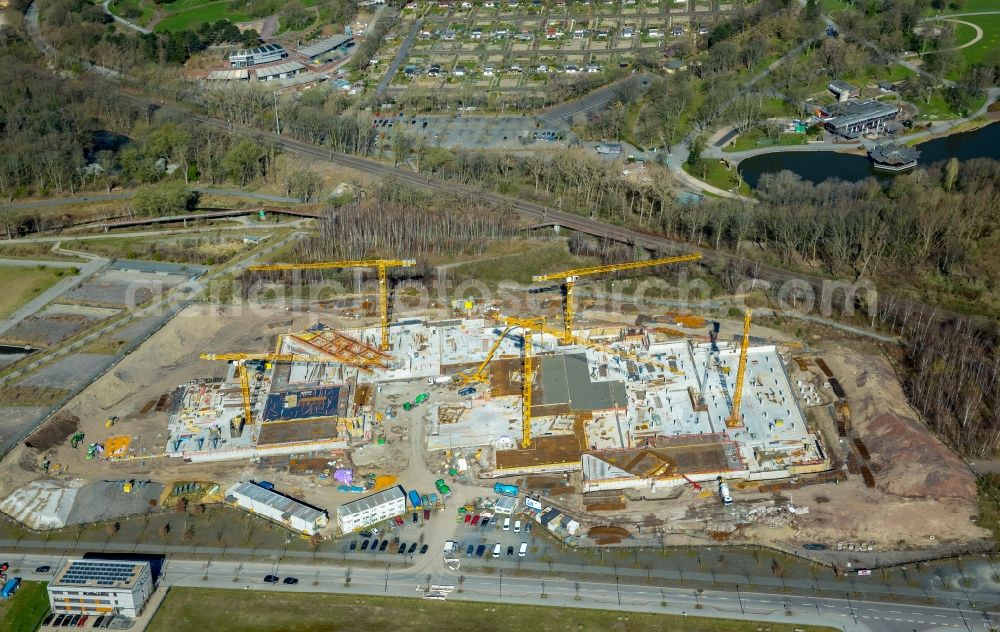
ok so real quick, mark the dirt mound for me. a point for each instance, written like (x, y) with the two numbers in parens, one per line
(53, 432)
(910, 461)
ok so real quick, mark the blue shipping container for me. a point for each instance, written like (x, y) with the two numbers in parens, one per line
(266, 485)
(10, 588)
(506, 490)
(414, 499)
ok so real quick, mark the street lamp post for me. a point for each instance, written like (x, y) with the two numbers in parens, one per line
(618, 589)
(958, 605)
(501, 582)
(851, 605)
(387, 577)
(740, 598)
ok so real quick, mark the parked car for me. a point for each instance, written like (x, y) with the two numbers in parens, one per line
(374, 546)
(402, 547)
(98, 621)
(468, 518)
(427, 514)
(510, 551)
(527, 527)
(291, 581)
(365, 534)
(44, 568)
(73, 621)
(364, 545)
(517, 527)
(468, 390)
(423, 549)
(83, 621)
(469, 549)
(271, 579)
(415, 517)
(58, 620)
(399, 520)
(382, 546)
(48, 618)
(475, 520)
(480, 550)
(486, 521)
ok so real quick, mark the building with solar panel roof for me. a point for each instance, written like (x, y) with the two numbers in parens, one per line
(97, 587)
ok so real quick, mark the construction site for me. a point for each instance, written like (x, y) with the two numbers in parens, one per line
(673, 424)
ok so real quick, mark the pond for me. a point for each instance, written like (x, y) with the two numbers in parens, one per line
(817, 166)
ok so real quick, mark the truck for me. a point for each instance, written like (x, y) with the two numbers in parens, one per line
(506, 490)
(442, 488)
(724, 494)
(10, 587)
(414, 500)
(441, 379)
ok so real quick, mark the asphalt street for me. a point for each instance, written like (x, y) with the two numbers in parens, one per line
(847, 614)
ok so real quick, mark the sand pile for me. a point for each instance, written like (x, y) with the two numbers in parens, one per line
(42, 504)
(910, 461)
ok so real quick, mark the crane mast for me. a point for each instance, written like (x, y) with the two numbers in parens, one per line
(569, 278)
(381, 265)
(735, 420)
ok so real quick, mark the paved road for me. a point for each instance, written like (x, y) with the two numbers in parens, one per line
(30, 263)
(141, 233)
(171, 299)
(135, 27)
(562, 115)
(400, 57)
(398, 580)
(36, 304)
(938, 127)
(90, 198)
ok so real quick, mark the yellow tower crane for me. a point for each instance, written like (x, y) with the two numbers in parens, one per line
(735, 420)
(383, 287)
(527, 325)
(479, 375)
(241, 359)
(570, 277)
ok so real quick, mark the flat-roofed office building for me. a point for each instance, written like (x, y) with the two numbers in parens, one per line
(97, 587)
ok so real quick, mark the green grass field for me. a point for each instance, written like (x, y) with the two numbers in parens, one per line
(21, 284)
(196, 610)
(717, 175)
(24, 611)
(972, 6)
(192, 18)
(128, 8)
(755, 138)
(991, 36)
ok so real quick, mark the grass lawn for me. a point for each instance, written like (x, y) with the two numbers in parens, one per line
(972, 6)
(195, 610)
(25, 610)
(21, 284)
(520, 266)
(717, 175)
(127, 8)
(754, 138)
(191, 18)
(991, 36)
(939, 110)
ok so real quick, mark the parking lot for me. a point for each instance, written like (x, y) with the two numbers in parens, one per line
(471, 131)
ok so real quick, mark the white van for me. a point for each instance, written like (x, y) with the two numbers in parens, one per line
(517, 527)
(496, 550)
(506, 524)
(523, 549)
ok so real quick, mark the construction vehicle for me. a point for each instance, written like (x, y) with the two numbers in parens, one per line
(241, 359)
(110, 422)
(380, 264)
(570, 277)
(735, 420)
(694, 484)
(75, 440)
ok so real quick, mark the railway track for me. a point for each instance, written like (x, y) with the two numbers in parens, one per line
(549, 216)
